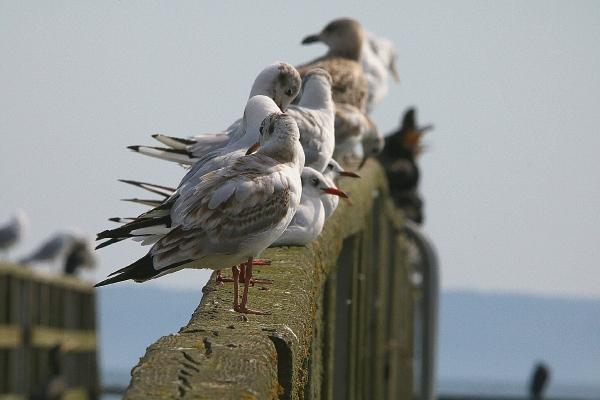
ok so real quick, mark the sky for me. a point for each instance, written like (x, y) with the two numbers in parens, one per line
(511, 176)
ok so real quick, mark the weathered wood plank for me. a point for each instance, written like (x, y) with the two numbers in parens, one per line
(222, 354)
(38, 312)
(64, 281)
(10, 335)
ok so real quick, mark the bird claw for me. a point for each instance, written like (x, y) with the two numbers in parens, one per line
(246, 310)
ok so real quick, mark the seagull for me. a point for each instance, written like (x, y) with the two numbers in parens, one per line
(344, 37)
(257, 109)
(308, 221)
(279, 81)
(72, 246)
(333, 171)
(315, 115)
(14, 230)
(378, 58)
(228, 218)
(353, 126)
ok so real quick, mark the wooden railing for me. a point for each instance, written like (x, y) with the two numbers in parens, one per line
(38, 312)
(342, 323)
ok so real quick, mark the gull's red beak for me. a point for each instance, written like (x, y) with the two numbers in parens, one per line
(335, 192)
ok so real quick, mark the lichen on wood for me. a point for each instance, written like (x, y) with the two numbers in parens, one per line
(223, 354)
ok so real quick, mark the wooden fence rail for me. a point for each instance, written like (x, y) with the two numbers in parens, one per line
(38, 312)
(341, 325)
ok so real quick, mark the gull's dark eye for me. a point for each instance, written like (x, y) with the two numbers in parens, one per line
(260, 129)
(289, 92)
(315, 181)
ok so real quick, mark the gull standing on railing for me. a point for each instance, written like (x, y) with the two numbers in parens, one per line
(14, 230)
(308, 221)
(229, 217)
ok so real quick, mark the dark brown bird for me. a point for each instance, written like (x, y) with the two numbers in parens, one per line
(399, 161)
(344, 37)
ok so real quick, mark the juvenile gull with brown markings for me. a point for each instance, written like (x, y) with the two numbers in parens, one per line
(344, 37)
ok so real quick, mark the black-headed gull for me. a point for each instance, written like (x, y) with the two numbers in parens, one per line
(14, 230)
(279, 81)
(378, 58)
(332, 172)
(71, 247)
(229, 217)
(308, 221)
(344, 37)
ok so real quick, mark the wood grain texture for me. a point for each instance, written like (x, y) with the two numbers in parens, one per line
(289, 354)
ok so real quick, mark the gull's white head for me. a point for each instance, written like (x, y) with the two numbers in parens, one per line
(278, 125)
(280, 139)
(314, 184)
(333, 170)
(280, 81)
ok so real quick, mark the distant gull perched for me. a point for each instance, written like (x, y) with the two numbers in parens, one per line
(229, 217)
(344, 37)
(72, 247)
(279, 81)
(308, 221)
(14, 230)
(378, 58)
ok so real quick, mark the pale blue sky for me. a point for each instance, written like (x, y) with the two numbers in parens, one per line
(511, 177)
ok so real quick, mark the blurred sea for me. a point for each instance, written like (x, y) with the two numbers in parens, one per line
(446, 388)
